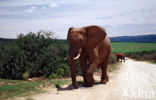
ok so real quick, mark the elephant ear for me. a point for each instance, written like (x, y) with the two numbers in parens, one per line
(95, 35)
(69, 32)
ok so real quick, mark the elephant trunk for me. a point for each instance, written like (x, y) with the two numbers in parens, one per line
(74, 54)
(73, 72)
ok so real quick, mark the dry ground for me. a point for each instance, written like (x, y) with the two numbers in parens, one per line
(135, 80)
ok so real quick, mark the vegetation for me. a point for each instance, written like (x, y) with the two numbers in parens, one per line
(33, 55)
(126, 47)
(12, 88)
(144, 55)
(138, 51)
(7, 41)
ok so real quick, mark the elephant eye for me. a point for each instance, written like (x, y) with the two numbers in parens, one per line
(81, 32)
(80, 41)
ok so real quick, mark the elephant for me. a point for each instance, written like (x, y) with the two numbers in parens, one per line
(92, 47)
(120, 56)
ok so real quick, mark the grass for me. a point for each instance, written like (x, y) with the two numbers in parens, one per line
(29, 98)
(12, 88)
(114, 67)
(137, 51)
(126, 47)
(153, 62)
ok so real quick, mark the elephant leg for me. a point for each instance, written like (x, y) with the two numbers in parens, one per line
(104, 66)
(89, 76)
(104, 77)
(84, 68)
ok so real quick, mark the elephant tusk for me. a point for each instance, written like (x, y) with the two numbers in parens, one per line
(77, 56)
(66, 58)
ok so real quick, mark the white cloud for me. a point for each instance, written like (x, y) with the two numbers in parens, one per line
(140, 19)
(33, 7)
(43, 7)
(29, 10)
(53, 5)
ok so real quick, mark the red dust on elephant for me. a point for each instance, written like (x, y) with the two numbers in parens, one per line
(92, 47)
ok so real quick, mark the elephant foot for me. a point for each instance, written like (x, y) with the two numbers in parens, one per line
(90, 80)
(88, 84)
(75, 86)
(84, 84)
(104, 81)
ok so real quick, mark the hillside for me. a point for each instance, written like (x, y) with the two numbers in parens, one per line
(7, 41)
(138, 38)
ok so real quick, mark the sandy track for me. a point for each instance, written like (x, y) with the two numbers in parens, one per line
(134, 80)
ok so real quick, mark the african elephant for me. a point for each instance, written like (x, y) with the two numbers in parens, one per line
(93, 48)
(120, 56)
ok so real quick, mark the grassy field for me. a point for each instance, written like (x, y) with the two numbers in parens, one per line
(13, 88)
(137, 51)
(127, 47)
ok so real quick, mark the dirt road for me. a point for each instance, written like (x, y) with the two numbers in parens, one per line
(134, 80)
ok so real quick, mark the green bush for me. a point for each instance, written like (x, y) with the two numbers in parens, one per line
(35, 54)
(144, 55)
(25, 75)
(58, 74)
(113, 59)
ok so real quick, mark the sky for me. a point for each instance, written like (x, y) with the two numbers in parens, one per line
(118, 17)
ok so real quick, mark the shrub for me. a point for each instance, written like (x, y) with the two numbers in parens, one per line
(143, 55)
(25, 75)
(58, 73)
(33, 55)
(113, 59)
